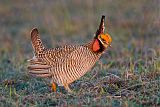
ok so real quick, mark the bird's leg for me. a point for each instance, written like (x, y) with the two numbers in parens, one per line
(53, 87)
(67, 88)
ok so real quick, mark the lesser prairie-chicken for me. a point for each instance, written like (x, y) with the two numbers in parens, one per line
(64, 65)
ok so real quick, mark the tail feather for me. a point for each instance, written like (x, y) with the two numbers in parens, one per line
(36, 41)
(39, 70)
(37, 66)
(34, 67)
(42, 75)
(35, 60)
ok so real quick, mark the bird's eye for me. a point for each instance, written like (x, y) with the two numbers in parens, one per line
(103, 40)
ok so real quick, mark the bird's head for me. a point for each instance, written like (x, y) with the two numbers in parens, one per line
(105, 39)
(102, 40)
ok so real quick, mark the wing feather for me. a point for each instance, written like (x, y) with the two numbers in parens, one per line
(49, 59)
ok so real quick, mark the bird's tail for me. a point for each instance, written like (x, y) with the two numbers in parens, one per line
(37, 67)
(36, 41)
(39, 70)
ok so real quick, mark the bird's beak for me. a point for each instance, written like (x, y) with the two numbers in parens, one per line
(106, 45)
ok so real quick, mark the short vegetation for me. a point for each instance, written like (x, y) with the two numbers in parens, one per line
(128, 74)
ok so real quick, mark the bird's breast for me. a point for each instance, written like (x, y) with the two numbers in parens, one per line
(75, 66)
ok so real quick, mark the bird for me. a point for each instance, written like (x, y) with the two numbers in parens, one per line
(65, 64)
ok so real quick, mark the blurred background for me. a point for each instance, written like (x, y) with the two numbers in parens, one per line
(130, 23)
(134, 26)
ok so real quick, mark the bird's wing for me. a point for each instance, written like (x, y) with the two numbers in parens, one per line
(52, 58)
(77, 59)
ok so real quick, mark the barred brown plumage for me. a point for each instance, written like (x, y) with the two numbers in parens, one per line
(68, 63)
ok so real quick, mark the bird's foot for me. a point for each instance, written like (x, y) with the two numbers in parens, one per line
(53, 88)
(68, 89)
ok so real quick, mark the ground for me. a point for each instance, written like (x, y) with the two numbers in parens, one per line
(128, 74)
